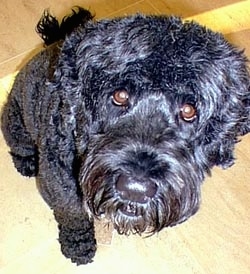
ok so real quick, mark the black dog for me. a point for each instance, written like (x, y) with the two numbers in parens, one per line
(124, 118)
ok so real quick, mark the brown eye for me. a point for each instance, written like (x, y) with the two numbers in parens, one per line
(120, 97)
(188, 112)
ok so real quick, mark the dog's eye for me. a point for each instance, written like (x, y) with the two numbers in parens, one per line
(188, 112)
(120, 97)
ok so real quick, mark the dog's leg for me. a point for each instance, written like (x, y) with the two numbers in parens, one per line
(76, 236)
(23, 150)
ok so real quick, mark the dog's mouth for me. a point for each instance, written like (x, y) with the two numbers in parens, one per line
(129, 209)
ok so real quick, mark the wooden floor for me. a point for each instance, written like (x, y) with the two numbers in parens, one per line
(215, 240)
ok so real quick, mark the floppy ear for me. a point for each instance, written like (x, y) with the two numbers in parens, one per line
(244, 126)
(227, 86)
(240, 80)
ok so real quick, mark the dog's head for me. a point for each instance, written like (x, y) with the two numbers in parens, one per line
(160, 102)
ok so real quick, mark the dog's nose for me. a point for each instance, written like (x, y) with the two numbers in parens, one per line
(135, 190)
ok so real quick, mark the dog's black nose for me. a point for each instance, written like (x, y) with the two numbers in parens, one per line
(135, 190)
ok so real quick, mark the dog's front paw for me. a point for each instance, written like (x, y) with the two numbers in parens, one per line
(79, 245)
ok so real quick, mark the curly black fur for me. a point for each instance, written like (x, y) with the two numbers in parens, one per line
(125, 118)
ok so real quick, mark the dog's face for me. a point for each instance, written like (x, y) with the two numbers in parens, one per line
(160, 103)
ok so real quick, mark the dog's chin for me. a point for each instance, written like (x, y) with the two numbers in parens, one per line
(132, 219)
(135, 218)
(126, 224)
(128, 219)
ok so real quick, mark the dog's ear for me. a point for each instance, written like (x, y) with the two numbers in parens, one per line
(244, 127)
(226, 111)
